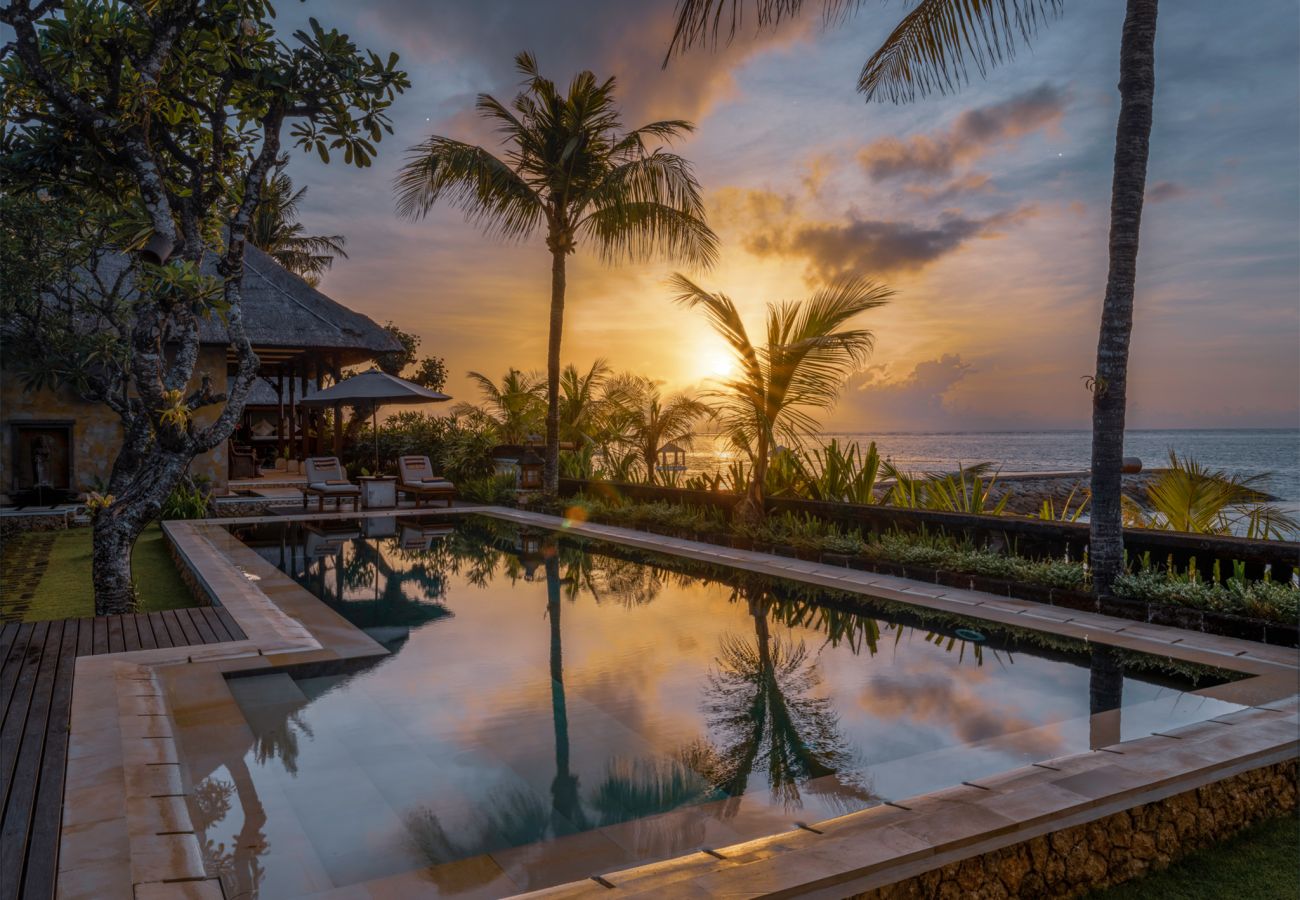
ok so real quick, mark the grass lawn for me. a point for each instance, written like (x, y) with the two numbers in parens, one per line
(62, 589)
(1261, 863)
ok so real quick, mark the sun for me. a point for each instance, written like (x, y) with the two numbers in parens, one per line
(717, 364)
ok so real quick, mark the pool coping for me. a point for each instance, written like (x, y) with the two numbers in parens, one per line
(126, 829)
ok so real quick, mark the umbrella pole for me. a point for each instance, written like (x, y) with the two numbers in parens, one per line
(374, 425)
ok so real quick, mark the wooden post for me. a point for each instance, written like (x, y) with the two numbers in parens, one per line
(305, 414)
(293, 410)
(279, 421)
(337, 375)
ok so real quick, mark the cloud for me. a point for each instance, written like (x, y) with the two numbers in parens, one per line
(873, 247)
(970, 183)
(919, 399)
(622, 39)
(1165, 190)
(970, 136)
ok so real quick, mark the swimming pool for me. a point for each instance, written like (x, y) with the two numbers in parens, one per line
(552, 709)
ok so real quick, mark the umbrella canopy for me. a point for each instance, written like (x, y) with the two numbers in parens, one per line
(370, 390)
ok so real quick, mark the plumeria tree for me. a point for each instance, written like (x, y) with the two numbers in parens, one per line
(570, 172)
(167, 119)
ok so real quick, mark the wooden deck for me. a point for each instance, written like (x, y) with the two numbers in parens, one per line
(36, 699)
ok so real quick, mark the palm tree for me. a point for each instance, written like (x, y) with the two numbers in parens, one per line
(514, 405)
(931, 50)
(1192, 497)
(580, 402)
(808, 353)
(648, 420)
(275, 229)
(570, 170)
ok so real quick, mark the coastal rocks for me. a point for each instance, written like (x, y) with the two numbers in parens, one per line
(1126, 845)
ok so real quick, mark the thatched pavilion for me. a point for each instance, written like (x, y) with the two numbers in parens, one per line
(302, 337)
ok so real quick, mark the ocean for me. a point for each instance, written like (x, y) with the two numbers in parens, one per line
(1272, 451)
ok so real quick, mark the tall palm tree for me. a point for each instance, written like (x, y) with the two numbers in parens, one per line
(275, 228)
(802, 365)
(571, 171)
(649, 420)
(931, 50)
(515, 405)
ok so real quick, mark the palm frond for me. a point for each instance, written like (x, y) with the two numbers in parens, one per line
(488, 191)
(935, 44)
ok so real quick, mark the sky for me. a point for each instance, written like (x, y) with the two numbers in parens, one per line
(986, 211)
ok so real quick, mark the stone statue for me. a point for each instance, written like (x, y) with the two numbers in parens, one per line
(42, 446)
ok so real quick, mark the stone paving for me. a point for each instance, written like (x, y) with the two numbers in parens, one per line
(22, 564)
(127, 835)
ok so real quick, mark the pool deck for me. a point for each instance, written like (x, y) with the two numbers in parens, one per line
(126, 830)
(36, 695)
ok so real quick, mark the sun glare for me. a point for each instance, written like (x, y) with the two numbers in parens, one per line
(717, 364)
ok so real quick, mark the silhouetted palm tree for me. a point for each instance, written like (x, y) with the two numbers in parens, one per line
(275, 228)
(648, 420)
(802, 365)
(931, 50)
(571, 170)
(515, 405)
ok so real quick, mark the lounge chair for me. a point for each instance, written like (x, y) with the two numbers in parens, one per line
(326, 478)
(417, 478)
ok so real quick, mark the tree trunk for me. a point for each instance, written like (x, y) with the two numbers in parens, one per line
(1109, 389)
(752, 508)
(119, 525)
(551, 458)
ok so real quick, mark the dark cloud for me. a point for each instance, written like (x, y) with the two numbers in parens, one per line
(969, 137)
(627, 40)
(1165, 190)
(873, 247)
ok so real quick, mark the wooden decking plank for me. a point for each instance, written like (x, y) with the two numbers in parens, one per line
(144, 626)
(85, 636)
(100, 640)
(161, 636)
(189, 635)
(116, 644)
(15, 721)
(206, 634)
(232, 627)
(41, 870)
(8, 634)
(25, 766)
(130, 635)
(213, 615)
(13, 664)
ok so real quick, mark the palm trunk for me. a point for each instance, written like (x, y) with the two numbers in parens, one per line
(551, 458)
(119, 525)
(752, 508)
(1132, 142)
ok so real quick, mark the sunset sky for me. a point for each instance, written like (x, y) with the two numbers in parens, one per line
(986, 210)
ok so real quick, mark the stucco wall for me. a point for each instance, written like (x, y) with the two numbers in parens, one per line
(96, 430)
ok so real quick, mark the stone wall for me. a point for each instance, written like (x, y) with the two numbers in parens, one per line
(96, 429)
(1111, 850)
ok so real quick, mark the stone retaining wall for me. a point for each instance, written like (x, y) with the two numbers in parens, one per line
(1117, 848)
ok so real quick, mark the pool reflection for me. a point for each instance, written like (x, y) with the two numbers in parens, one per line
(552, 710)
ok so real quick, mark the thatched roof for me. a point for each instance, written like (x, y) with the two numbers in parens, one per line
(282, 310)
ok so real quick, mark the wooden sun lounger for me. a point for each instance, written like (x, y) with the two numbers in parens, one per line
(415, 477)
(326, 478)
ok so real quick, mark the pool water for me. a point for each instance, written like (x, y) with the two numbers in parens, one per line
(552, 710)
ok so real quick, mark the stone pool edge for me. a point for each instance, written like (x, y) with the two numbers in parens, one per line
(126, 830)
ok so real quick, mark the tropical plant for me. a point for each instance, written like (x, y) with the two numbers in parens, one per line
(650, 421)
(1069, 510)
(931, 50)
(167, 116)
(1188, 496)
(963, 491)
(191, 498)
(808, 353)
(275, 228)
(581, 404)
(842, 472)
(568, 169)
(515, 405)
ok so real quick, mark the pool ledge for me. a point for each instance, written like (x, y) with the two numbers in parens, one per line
(126, 830)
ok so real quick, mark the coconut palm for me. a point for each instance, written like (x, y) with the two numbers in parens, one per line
(581, 402)
(808, 353)
(571, 171)
(648, 420)
(275, 228)
(514, 405)
(932, 50)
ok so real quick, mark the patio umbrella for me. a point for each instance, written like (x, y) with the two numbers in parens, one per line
(370, 390)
